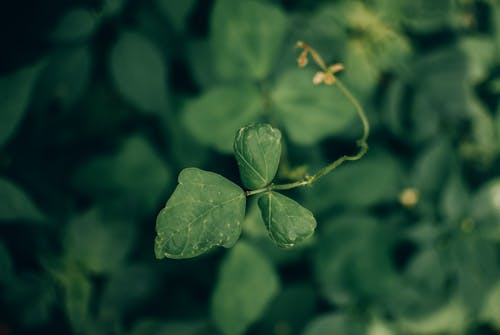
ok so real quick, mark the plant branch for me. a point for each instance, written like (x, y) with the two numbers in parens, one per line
(328, 79)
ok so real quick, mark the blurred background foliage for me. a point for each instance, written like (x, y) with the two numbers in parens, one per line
(103, 102)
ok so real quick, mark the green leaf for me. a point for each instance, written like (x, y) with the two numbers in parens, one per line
(480, 52)
(127, 287)
(139, 72)
(15, 94)
(31, 299)
(65, 78)
(257, 148)
(214, 117)
(374, 180)
(491, 307)
(134, 175)
(427, 16)
(77, 295)
(360, 71)
(98, 242)
(76, 24)
(246, 38)
(247, 283)
(290, 310)
(454, 198)
(15, 204)
(351, 249)
(308, 112)
(485, 208)
(432, 166)
(176, 12)
(205, 210)
(451, 318)
(288, 222)
(334, 323)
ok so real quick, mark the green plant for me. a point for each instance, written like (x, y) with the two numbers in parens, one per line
(207, 210)
(103, 103)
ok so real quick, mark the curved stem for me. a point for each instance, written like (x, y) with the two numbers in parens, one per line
(361, 142)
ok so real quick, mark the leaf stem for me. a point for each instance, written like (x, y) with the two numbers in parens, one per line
(361, 142)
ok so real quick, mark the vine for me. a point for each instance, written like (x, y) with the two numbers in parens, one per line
(326, 76)
(207, 210)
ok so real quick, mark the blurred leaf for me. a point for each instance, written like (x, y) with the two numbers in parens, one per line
(128, 287)
(334, 323)
(112, 7)
(15, 204)
(214, 117)
(158, 327)
(289, 311)
(66, 76)
(308, 112)
(134, 174)
(424, 283)
(77, 24)
(432, 166)
(485, 210)
(6, 265)
(480, 52)
(257, 148)
(475, 262)
(428, 15)
(442, 97)
(288, 222)
(15, 93)
(246, 37)
(379, 327)
(31, 299)
(98, 242)
(450, 319)
(77, 294)
(353, 248)
(176, 11)
(205, 210)
(360, 71)
(201, 67)
(374, 180)
(481, 147)
(247, 283)
(139, 72)
(491, 307)
(454, 198)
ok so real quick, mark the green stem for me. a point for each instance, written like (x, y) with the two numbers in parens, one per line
(362, 144)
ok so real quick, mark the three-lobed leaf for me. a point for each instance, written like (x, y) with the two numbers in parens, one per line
(257, 148)
(205, 210)
(287, 222)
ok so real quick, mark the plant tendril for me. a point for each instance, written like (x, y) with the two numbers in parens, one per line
(327, 75)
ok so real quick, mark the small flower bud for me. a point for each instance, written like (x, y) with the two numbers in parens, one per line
(336, 68)
(299, 44)
(302, 60)
(318, 78)
(329, 79)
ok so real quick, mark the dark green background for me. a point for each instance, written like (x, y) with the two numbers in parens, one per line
(102, 103)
